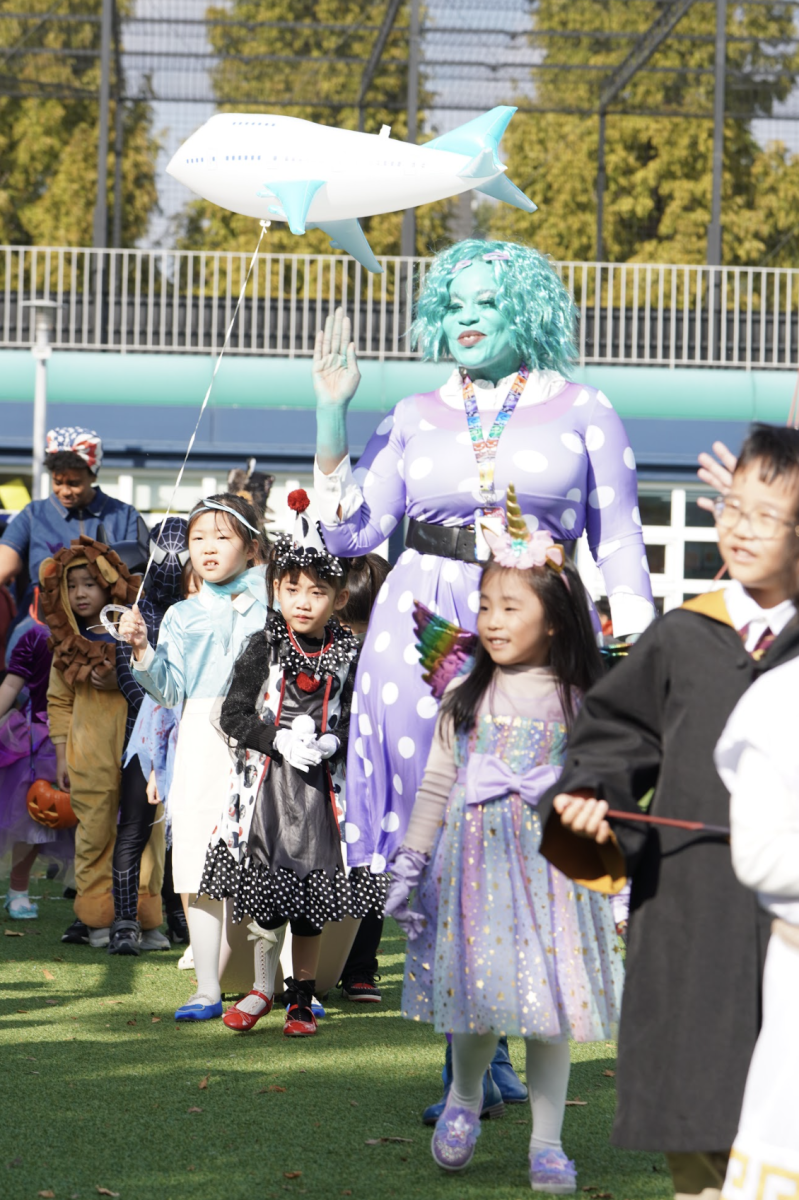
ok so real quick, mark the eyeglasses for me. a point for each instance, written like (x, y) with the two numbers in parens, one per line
(764, 525)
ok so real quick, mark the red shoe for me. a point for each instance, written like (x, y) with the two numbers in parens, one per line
(300, 1022)
(241, 1021)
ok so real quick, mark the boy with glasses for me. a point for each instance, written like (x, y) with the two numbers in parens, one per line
(697, 938)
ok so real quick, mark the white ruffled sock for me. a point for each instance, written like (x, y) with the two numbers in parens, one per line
(268, 945)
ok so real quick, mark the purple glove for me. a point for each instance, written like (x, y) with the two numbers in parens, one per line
(405, 871)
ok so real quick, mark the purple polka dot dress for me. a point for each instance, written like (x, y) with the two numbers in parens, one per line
(574, 471)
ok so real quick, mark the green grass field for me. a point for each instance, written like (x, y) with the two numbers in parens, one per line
(103, 1090)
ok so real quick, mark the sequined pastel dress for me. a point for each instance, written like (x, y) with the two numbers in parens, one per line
(511, 945)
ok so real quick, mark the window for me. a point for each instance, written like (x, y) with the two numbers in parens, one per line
(681, 545)
(656, 557)
(701, 560)
(655, 508)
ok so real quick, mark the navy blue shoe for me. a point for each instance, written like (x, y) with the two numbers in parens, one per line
(493, 1104)
(512, 1089)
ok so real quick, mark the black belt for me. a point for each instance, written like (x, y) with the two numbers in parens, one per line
(446, 541)
(452, 541)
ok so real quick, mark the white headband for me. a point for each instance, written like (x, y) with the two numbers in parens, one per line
(211, 504)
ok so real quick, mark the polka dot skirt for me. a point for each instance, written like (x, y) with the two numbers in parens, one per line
(265, 895)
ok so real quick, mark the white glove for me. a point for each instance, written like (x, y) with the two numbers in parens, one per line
(296, 750)
(327, 744)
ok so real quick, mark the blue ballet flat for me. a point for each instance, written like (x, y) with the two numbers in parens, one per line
(24, 909)
(195, 1011)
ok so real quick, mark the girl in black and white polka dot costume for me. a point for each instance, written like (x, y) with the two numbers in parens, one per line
(277, 851)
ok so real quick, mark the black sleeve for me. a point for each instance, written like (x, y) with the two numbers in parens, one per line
(343, 728)
(239, 720)
(127, 682)
(615, 747)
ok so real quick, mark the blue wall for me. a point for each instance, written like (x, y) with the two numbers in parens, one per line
(145, 405)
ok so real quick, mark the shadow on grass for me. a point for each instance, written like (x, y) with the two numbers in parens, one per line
(124, 1098)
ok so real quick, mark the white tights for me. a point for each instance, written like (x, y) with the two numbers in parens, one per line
(206, 917)
(547, 1068)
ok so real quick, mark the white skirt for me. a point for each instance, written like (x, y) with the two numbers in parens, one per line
(765, 1156)
(199, 788)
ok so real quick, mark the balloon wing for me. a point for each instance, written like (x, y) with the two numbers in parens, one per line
(445, 650)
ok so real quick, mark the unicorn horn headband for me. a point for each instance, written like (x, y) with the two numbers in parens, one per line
(519, 547)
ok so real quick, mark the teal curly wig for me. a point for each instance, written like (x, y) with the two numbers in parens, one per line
(539, 311)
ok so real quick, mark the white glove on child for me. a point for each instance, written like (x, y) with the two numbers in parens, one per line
(297, 749)
(327, 744)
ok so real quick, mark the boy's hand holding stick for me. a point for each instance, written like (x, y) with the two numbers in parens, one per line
(587, 817)
(584, 815)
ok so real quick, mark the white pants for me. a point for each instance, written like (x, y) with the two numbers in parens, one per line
(764, 1164)
(199, 790)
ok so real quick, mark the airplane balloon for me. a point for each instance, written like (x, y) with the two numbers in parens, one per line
(315, 177)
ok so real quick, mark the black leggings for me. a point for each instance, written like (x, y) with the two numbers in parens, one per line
(363, 955)
(136, 818)
(300, 926)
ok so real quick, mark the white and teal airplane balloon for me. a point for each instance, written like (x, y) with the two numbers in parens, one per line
(316, 177)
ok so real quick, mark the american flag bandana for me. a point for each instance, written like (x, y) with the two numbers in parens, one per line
(84, 442)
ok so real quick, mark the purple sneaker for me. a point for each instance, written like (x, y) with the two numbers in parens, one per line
(456, 1131)
(551, 1171)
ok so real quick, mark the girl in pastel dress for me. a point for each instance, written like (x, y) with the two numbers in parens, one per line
(502, 943)
(198, 643)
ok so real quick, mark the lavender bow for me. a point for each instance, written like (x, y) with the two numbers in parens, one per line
(489, 778)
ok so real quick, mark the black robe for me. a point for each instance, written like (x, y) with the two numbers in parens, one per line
(692, 999)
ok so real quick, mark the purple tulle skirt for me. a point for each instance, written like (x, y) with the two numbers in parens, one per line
(26, 754)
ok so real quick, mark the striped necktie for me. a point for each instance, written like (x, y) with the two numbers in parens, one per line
(761, 645)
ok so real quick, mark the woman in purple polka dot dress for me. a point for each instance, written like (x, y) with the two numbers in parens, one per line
(500, 311)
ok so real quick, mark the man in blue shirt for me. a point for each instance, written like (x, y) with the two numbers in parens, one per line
(75, 506)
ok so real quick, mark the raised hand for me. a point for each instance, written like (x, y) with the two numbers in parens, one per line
(335, 367)
(133, 630)
(716, 472)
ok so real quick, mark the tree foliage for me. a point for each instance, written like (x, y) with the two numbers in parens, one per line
(337, 35)
(49, 130)
(659, 168)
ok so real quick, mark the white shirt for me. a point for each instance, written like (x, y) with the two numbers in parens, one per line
(540, 387)
(746, 613)
(757, 757)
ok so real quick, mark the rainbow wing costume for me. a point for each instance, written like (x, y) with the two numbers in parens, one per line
(445, 650)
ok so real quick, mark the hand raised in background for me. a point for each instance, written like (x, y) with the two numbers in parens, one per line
(335, 366)
(716, 472)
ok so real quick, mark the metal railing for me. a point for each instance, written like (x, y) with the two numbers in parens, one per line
(181, 301)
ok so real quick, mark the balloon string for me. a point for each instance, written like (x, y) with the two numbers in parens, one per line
(168, 513)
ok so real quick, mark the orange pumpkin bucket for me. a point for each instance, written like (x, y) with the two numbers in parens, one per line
(49, 806)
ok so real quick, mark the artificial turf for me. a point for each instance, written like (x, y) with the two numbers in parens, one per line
(103, 1090)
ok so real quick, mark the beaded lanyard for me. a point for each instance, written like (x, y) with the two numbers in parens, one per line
(485, 448)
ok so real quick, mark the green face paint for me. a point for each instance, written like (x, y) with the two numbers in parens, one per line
(477, 334)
